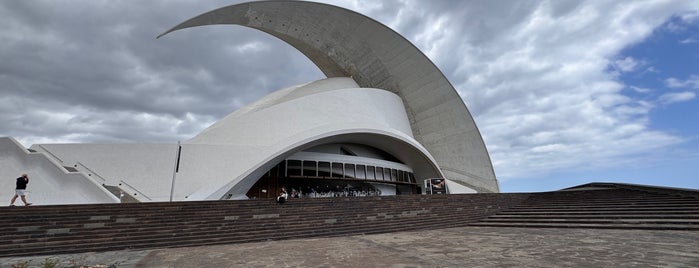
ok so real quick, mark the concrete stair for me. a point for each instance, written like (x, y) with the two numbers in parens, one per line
(42, 230)
(609, 207)
(60, 229)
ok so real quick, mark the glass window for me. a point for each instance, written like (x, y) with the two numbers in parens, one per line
(394, 175)
(379, 173)
(361, 172)
(310, 169)
(282, 169)
(370, 173)
(337, 170)
(294, 167)
(412, 177)
(349, 170)
(323, 169)
(274, 172)
(386, 174)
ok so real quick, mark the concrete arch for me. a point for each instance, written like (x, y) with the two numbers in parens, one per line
(409, 151)
(343, 43)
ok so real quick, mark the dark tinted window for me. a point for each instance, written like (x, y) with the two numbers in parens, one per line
(337, 170)
(294, 167)
(324, 169)
(309, 169)
(370, 173)
(282, 169)
(379, 173)
(361, 172)
(349, 170)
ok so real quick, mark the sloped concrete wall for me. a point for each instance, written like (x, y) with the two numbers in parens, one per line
(143, 171)
(49, 182)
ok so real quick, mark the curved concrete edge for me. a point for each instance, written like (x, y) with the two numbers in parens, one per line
(457, 188)
(237, 146)
(345, 43)
(249, 147)
(390, 141)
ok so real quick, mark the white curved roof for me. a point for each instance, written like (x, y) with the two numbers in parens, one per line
(234, 153)
(343, 43)
(226, 159)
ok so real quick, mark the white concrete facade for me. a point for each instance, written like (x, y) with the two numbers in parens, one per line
(343, 43)
(49, 182)
(411, 113)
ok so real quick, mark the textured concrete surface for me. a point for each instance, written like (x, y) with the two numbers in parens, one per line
(343, 43)
(49, 183)
(455, 247)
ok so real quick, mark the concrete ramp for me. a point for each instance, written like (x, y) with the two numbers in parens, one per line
(49, 182)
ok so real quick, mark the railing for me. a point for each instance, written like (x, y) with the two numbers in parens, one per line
(121, 182)
(91, 172)
(50, 153)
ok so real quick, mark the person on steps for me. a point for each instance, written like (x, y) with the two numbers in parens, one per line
(282, 196)
(22, 182)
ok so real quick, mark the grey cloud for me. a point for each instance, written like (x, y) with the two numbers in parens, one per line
(106, 60)
(533, 73)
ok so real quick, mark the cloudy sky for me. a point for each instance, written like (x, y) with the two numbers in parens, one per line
(564, 92)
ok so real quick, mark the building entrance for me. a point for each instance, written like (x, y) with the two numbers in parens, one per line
(305, 179)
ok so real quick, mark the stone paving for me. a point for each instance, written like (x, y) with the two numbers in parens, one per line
(454, 247)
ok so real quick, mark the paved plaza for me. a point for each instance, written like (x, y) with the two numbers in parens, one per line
(454, 247)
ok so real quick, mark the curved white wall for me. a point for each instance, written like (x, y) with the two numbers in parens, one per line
(228, 157)
(318, 112)
(323, 102)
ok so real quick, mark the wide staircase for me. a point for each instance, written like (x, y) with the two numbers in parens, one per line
(604, 205)
(42, 230)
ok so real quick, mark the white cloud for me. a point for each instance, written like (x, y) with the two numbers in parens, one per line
(669, 98)
(690, 16)
(641, 89)
(627, 64)
(689, 41)
(539, 84)
(692, 82)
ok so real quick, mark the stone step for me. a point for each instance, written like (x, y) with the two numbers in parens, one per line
(597, 212)
(600, 216)
(134, 227)
(146, 218)
(79, 228)
(678, 227)
(154, 238)
(595, 220)
(609, 202)
(627, 208)
(619, 204)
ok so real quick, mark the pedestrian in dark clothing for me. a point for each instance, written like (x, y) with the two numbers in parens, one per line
(22, 182)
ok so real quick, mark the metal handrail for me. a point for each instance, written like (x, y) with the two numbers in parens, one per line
(91, 171)
(49, 152)
(133, 188)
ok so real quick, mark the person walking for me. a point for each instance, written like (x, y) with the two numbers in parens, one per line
(22, 182)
